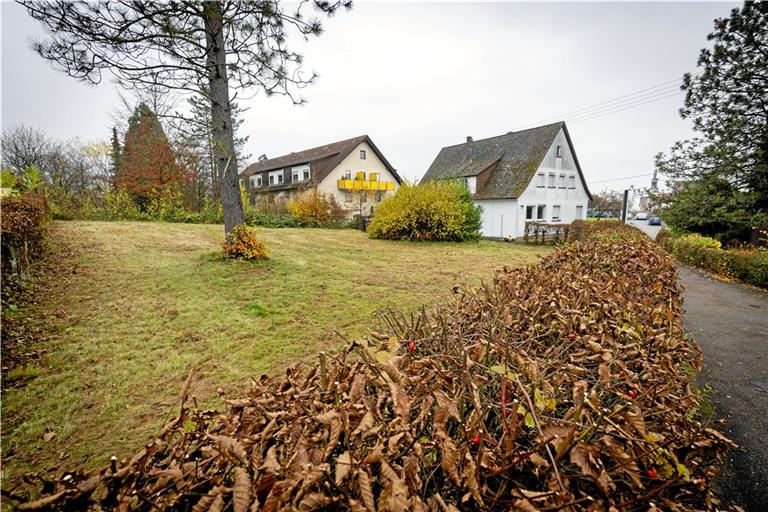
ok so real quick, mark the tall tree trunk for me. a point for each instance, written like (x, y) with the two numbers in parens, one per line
(222, 129)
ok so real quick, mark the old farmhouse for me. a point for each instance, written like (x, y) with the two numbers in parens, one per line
(529, 175)
(353, 171)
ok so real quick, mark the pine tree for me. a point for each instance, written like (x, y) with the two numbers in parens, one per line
(116, 154)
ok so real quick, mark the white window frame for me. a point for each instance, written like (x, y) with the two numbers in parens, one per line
(555, 213)
(363, 155)
(540, 180)
(561, 181)
(347, 175)
(552, 183)
(542, 208)
(255, 181)
(579, 211)
(295, 175)
(306, 174)
(571, 181)
(276, 177)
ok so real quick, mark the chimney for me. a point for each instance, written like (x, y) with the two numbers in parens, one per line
(469, 138)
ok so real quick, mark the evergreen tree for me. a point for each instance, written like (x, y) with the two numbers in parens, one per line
(116, 153)
(147, 164)
(728, 104)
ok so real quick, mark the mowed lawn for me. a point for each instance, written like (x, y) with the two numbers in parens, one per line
(150, 301)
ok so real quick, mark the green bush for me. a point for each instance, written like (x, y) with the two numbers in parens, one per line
(748, 265)
(436, 210)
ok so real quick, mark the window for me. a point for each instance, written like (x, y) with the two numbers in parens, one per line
(562, 181)
(347, 175)
(540, 180)
(295, 175)
(540, 212)
(306, 174)
(551, 183)
(470, 183)
(362, 154)
(571, 181)
(300, 173)
(555, 213)
(255, 181)
(529, 212)
(579, 212)
(347, 196)
(276, 177)
(559, 153)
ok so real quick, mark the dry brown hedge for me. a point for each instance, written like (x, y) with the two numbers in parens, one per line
(563, 385)
(23, 223)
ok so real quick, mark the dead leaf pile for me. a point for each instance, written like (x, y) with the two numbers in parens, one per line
(563, 385)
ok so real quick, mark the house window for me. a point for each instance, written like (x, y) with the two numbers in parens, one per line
(347, 175)
(276, 177)
(540, 212)
(562, 181)
(555, 213)
(295, 175)
(540, 180)
(559, 152)
(571, 181)
(256, 181)
(579, 212)
(529, 212)
(551, 183)
(306, 174)
(347, 196)
(362, 154)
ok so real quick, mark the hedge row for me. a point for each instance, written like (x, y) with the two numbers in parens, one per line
(748, 265)
(564, 385)
(23, 222)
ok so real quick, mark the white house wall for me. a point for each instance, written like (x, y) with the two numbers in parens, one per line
(500, 217)
(567, 198)
(353, 163)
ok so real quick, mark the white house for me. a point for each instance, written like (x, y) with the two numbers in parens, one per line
(354, 171)
(530, 175)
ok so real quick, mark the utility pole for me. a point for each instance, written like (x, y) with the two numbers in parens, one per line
(624, 206)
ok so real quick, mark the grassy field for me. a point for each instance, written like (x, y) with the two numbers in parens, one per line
(149, 301)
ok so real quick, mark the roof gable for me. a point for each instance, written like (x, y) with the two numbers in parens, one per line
(322, 158)
(519, 155)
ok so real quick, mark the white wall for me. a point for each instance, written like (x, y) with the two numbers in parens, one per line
(500, 217)
(353, 163)
(567, 198)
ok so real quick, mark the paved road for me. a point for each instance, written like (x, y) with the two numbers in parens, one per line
(730, 322)
(643, 226)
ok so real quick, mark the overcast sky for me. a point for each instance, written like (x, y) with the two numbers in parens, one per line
(417, 77)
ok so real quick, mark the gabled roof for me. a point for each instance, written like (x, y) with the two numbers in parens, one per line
(323, 159)
(517, 156)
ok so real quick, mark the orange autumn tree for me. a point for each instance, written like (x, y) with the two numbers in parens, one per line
(147, 164)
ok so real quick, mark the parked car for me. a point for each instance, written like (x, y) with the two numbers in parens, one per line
(654, 221)
(641, 216)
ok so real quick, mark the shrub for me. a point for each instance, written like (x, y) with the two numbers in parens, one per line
(315, 209)
(119, 205)
(748, 265)
(436, 210)
(245, 244)
(23, 225)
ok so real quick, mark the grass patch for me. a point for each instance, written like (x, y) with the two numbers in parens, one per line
(149, 301)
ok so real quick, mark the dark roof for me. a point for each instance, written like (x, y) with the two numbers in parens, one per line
(323, 159)
(517, 156)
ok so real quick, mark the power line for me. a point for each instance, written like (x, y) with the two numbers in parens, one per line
(614, 102)
(652, 100)
(621, 179)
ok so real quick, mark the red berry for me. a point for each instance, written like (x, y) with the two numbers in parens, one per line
(507, 412)
(476, 440)
(411, 346)
(652, 473)
(632, 393)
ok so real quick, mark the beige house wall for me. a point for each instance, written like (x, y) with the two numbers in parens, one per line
(354, 201)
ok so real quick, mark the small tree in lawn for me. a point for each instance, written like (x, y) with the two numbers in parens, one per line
(203, 47)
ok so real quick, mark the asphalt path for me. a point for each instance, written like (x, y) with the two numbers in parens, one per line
(730, 323)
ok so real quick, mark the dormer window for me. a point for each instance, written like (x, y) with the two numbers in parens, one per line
(255, 181)
(362, 154)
